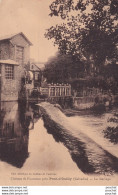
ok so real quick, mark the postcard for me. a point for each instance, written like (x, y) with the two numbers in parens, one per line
(58, 93)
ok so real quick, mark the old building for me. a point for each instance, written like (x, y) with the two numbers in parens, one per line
(14, 55)
(33, 76)
(36, 73)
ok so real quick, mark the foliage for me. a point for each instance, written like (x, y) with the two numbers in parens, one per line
(111, 133)
(88, 30)
(62, 68)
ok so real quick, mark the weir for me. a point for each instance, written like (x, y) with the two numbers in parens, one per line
(89, 155)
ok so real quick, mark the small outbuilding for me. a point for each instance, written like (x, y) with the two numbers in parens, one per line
(14, 55)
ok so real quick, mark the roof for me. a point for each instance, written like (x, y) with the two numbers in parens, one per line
(40, 65)
(8, 62)
(35, 67)
(8, 37)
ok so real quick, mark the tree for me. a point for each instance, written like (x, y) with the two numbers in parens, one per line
(88, 30)
(63, 68)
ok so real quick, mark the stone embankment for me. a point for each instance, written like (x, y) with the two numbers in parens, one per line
(90, 156)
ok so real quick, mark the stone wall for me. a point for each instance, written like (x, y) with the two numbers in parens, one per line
(4, 50)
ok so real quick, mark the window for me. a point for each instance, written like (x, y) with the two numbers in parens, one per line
(9, 72)
(36, 76)
(19, 54)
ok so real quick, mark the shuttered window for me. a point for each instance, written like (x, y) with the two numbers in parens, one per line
(19, 54)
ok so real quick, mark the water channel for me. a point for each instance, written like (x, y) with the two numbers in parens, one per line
(27, 142)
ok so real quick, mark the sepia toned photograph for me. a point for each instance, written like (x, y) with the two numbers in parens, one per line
(59, 92)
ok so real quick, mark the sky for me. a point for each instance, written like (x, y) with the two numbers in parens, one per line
(32, 18)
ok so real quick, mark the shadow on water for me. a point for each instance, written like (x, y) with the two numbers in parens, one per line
(89, 156)
(16, 119)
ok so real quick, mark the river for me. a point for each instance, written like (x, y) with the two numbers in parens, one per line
(29, 141)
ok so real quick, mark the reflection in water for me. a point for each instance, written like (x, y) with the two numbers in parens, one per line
(15, 122)
(16, 119)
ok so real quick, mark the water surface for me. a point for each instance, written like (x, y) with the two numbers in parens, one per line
(28, 142)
